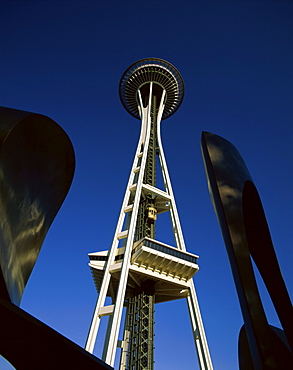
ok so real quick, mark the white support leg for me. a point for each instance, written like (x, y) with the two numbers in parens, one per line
(113, 330)
(194, 311)
(91, 340)
(198, 330)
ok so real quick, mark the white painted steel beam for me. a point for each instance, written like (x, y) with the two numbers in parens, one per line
(90, 343)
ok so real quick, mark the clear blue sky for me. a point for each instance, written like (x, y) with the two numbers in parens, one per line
(64, 59)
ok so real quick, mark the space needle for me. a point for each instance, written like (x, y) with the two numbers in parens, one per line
(139, 271)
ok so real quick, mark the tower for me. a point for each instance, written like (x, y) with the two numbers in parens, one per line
(139, 271)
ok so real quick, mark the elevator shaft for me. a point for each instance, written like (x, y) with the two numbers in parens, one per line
(145, 225)
(140, 310)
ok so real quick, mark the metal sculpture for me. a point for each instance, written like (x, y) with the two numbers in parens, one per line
(246, 234)
(36, 170)
(139, 271)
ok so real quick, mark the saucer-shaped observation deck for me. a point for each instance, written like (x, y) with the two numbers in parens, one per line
(149, 70)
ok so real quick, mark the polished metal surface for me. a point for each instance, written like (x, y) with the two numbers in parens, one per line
(29, 344)
(36, 169)
(154, 70)
(246, 234)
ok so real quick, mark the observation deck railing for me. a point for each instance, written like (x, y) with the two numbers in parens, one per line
(161, 247)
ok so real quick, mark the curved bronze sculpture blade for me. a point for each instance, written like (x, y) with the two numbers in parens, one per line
(246, 234)
(36, 169)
